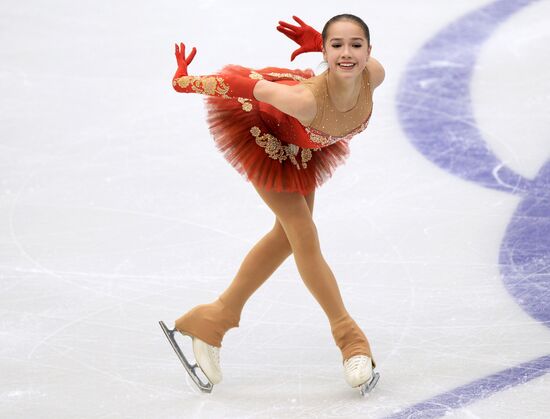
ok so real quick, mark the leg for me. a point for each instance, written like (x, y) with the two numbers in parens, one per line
(292, 212)
(210, 322)
(260, 263)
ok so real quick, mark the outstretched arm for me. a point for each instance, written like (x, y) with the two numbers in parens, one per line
(295, 100)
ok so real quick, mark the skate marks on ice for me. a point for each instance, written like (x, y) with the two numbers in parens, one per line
(205, 387)
(435, 110)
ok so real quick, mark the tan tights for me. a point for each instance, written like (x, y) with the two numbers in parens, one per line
(294, 233)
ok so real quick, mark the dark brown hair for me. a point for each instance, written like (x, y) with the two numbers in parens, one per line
(351, 18)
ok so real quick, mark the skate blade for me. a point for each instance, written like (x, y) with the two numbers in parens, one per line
(191, 369)
(367, 387)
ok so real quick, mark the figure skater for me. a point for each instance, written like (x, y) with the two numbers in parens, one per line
(286, 131)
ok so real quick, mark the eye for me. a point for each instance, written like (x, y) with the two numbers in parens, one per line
(336, 45)
(357, 45)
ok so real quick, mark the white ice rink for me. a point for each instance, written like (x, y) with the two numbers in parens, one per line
(117, 211)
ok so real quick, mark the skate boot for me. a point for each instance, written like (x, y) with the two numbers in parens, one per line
(210, 322)
(359, 373)
(208, 358)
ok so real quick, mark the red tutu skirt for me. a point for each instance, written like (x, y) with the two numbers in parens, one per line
(263, 144)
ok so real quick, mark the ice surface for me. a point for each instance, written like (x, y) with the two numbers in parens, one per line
(116, 211)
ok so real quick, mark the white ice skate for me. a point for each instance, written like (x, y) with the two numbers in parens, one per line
(358, 372)
(207, 359)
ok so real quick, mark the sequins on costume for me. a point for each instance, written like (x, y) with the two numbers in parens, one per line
(277, 151)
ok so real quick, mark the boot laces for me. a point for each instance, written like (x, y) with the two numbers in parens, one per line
(214, 353)
(358, 362)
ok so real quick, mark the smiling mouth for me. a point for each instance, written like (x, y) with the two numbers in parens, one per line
(346, 66)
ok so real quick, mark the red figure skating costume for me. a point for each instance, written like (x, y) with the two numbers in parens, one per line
(276, 152)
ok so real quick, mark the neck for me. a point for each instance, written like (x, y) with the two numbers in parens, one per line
(343, 91)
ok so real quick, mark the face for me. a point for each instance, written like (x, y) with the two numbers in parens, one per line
(346, 49)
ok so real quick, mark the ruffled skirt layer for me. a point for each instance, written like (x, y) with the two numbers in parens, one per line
(261, 143)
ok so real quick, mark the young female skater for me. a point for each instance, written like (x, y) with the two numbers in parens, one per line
(286, 131)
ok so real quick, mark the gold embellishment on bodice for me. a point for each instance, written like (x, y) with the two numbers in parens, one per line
(277, 151)
(324, 139)
(207, 85)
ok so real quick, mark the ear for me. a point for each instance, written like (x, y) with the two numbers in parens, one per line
(368, 52)
(324, 54)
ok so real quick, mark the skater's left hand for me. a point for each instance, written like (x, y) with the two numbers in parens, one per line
(183, 62)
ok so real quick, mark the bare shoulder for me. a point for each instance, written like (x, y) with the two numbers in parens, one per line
(376, 71)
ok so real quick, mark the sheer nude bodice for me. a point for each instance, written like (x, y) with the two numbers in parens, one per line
(331, 122)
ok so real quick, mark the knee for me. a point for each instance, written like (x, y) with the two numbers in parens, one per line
(302, 233)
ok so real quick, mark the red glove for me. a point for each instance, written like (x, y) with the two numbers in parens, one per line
(182, 61)
(224, 85)
(304, 35)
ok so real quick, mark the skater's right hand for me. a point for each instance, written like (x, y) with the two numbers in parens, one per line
(183, 62)
(304, 35)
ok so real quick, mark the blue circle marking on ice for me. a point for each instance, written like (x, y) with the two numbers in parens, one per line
(435, 110)
(434, 104)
